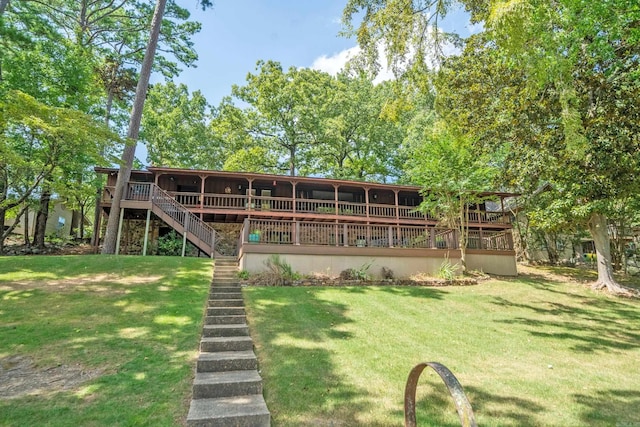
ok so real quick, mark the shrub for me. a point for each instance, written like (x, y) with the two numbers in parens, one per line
(280, 271)
(361, 273)
(170, 244)
(387, 273)
(446, 271)
(243, 274)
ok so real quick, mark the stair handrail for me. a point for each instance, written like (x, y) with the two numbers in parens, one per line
(191, 223)
(465, 412)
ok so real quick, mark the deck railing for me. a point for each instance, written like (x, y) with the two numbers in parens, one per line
(362, 235)
(308, 206)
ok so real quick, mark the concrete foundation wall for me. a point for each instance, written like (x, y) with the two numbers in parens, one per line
(403, 262)
(503, 264)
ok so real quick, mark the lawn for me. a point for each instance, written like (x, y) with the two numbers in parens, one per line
(99, 340)
(538, 350)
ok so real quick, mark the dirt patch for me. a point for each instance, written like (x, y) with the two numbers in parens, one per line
(89, 283)
(19, 377)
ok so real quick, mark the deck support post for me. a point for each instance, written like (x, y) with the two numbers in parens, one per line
(213, 243)
(346, 234)
(390, 237)
(146, 233)
(245, 231)
(296, 233)
(432, 237)
(119, 231)
(184, 234)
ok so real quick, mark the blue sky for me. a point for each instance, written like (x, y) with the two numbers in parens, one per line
(237, 33)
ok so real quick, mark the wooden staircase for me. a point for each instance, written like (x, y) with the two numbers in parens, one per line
(165, 207)
(227, 389)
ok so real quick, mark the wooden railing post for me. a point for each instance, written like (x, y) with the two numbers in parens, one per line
(245, 231)
(296, 232)
(213, 242)
(346, 234)
(390, 245)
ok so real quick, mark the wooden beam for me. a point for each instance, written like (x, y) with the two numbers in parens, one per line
(146, 233)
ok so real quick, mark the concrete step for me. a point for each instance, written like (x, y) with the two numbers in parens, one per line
(221, 302)
(225, 295)
(234, 319)
(238, 411)
(214, 344)
(227, 361)
(225, 331)
(217, 289)
(207, 385)
(225, 311)
(226, 281)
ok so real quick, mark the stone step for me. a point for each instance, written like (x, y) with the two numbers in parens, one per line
(225, 331)
(221, 302)
(225, 281)
(225, 311)
(214, 344)
(218, 289)
(227, 361)
(233, 319)
(238, 411)
(225, 295)
(207, 385)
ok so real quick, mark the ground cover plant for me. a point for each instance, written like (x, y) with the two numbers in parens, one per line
(99, 340)
(540, 349)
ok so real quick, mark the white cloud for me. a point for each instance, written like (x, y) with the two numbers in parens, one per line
(335, 63)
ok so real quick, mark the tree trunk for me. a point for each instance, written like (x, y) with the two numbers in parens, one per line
(26, 226)
(2, 235)
(41, 220)
(600, 234)
(3, 6)
(124, 174)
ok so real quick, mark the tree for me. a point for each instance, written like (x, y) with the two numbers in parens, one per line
(579, 63)
(454, 178)
(124, 174)
(284, 109)
(36, 143)
(176, 131)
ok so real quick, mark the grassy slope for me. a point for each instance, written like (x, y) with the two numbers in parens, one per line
(528, 351)
(139, 319)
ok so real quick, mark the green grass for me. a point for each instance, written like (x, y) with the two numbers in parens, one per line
(530, 351)
(137, 320)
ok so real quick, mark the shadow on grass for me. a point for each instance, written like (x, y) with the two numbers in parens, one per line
(605, 406)
(592, 322)
(293, 329)
(143, 336)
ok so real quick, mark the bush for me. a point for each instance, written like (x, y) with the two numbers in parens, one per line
(361, 273)
(387, 273)
(170, 244)
(280, 271)
(446, 271)
(243, 274)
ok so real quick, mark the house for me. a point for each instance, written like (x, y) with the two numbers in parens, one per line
(315, 224)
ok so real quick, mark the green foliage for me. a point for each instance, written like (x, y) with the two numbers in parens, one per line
(360, 273)
(243, 274)
(446, 271)
(170, 244)
(281, 270)
(175, 129)
(306, 121)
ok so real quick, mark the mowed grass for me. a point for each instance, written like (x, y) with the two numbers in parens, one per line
(133, 322)
(529, 351)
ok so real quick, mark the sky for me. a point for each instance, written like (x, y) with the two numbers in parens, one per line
(237, 33)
